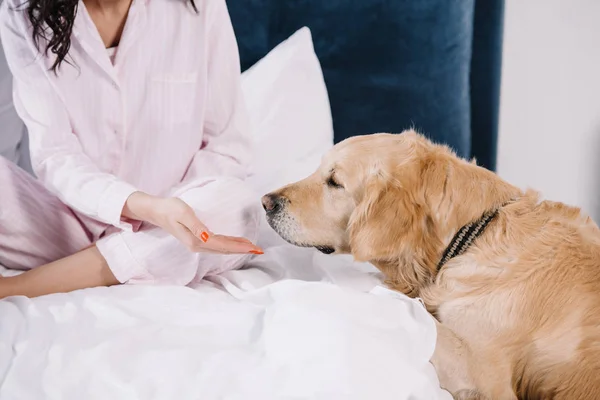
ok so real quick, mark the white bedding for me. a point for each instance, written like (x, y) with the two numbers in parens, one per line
(294, 325)
(278, 330)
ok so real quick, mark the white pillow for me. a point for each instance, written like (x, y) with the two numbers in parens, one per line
(289, 111)
(290, 115)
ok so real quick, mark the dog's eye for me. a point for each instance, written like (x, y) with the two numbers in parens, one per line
(331, 182)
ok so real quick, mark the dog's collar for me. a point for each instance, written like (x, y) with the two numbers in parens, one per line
(465, 237)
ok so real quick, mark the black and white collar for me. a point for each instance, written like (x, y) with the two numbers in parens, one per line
(465, 237)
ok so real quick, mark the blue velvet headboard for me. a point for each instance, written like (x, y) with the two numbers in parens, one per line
(394, 64)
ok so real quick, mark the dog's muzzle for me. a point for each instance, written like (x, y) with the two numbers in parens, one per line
(284, 224)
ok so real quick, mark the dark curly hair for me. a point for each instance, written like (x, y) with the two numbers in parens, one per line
(52, 21)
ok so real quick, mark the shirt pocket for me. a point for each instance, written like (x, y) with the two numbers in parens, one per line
(174, 98)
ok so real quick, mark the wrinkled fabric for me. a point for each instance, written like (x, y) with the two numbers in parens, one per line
(294, 325)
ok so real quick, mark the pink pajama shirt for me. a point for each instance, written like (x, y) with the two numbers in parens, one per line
(166, 118)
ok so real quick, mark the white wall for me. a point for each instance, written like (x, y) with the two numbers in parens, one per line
(550, 106)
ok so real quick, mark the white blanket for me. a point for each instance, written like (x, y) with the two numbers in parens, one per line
(296, 325)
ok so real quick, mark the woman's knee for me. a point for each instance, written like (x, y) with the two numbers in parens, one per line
(154, 256)
(149, 256)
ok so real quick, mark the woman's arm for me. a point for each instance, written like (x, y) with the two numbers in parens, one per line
(57, 156)
(61, 164)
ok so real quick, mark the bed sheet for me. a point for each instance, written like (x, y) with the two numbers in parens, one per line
(295, 325)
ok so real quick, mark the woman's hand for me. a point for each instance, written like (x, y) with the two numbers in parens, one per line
(179, 219)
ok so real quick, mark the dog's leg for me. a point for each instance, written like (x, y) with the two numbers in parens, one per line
(464, 374)
(452, 360)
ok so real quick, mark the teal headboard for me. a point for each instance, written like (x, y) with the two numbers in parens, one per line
(395, 64)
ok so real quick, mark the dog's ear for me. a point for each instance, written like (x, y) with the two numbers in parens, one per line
(379, 222)
(393, 229)
(394, 209)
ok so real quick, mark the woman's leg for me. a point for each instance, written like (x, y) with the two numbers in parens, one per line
(81, 270)
(38, 231)
(151, 255)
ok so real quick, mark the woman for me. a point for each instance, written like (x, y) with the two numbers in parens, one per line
(139, 137)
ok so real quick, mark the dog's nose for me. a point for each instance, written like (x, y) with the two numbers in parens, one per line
(271, 202)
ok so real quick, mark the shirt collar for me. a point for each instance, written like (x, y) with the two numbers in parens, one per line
(83, 21)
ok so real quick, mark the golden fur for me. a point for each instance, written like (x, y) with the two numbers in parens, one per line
(518, 313)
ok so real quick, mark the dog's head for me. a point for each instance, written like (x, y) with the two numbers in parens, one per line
(392, 200)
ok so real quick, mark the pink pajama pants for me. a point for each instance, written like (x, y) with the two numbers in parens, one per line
(37, 228)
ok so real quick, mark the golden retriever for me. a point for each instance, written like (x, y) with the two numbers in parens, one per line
(518, 313)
